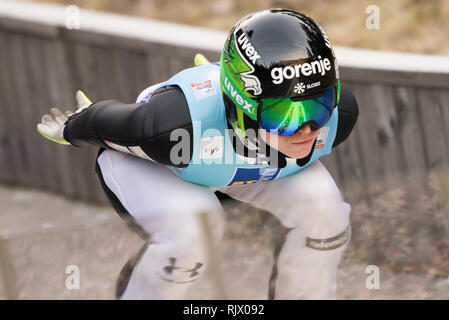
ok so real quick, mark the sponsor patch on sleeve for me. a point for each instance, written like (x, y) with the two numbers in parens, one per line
(203, 89)
(321, 138)
(212, 147)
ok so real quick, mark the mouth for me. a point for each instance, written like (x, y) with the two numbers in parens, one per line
(303, 143)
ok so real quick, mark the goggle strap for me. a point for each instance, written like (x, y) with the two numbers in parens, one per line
(338, 92)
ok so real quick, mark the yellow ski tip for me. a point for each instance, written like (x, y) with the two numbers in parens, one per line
(200, 59)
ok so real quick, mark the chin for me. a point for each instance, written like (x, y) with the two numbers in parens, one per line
(298, 154)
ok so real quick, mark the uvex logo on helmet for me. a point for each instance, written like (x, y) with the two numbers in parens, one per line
(249, 56)
(247, 48)
(320, 66)
(237, 98)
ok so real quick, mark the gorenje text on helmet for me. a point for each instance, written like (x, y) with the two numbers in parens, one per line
(306, 69)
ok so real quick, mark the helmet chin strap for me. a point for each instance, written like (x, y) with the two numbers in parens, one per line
(236, 119)
(240, 120)
(239, 129)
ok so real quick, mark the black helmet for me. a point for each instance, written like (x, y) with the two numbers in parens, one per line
(279, 69)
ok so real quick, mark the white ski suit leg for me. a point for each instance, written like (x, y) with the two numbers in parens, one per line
(310, 204)
(168, 209)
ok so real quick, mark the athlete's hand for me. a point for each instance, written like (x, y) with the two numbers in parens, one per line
(82, 101)
(52, 125)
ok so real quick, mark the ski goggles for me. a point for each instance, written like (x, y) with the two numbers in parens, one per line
(284, 116)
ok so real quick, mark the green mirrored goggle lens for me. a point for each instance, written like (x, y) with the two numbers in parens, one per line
(285, 116)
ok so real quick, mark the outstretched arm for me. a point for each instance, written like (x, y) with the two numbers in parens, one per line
(142, 129)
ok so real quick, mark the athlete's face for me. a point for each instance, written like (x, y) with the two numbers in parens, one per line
(296, 146)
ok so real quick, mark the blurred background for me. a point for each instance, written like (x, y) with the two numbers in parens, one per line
(393, 169)
(419, 26)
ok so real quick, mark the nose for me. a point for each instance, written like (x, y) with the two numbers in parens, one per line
(307, 129)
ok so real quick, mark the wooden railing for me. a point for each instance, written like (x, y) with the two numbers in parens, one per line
(403, 98)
